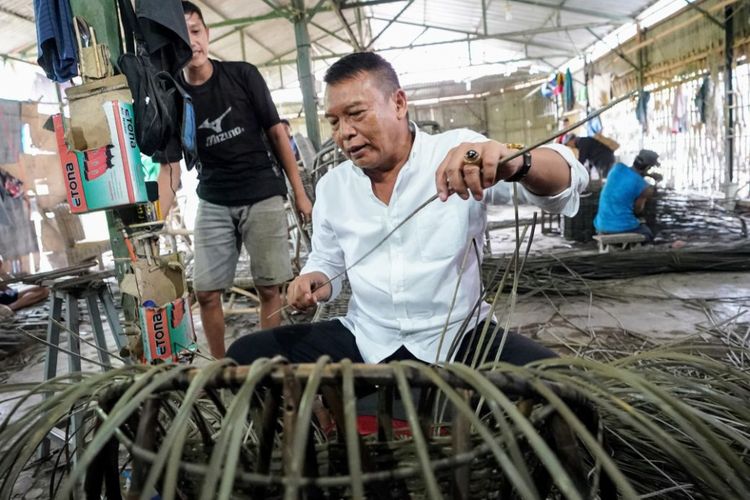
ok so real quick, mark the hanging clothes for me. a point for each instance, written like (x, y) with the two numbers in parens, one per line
(163, 25)
(679, 111)
(10, 131)
(568, 92)
(594, 126)
(703, 99)
(548, 88)
(559, 84)
(17, 231)
(641, 109)
(56, 43)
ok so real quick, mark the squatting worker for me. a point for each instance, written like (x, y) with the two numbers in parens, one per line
(240, 187)
(402, 292)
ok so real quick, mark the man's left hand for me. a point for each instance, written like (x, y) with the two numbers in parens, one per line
(458, 174)
(304, 206)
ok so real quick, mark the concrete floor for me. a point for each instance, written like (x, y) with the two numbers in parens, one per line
(662, 307)
(645, 311)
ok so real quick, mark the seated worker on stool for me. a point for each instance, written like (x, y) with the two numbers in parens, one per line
(11, 300)
(625, 195)
(402, 293)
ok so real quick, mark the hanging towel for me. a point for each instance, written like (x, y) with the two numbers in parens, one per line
(679, 111)
(55, 39)
(10, 131)
(641, 109)
(569, 93)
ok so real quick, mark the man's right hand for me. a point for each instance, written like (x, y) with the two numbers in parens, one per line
(307, 290)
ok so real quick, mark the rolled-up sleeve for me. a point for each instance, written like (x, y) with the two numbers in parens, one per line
(567, 201)
(326, 255)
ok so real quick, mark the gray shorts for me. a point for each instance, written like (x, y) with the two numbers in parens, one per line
(220, 232)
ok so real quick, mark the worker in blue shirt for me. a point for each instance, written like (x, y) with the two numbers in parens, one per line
(624, 196)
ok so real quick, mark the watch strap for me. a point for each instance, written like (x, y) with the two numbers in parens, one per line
(523, 171)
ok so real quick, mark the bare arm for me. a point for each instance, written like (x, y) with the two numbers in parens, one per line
(280, 143)
(640, 202)
(169, 183)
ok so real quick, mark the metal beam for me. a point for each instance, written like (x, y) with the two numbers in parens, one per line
(318, 7)
(283, 62)
(616, 50)
(242, 30)
(484, 17)
(370, 3)
(244, 21)
(707, 14)
(277, 61)
(352, 39)
(503, 36)
(390, 23)
(729, 89)
(8, 12)
(575, 10)
(18, 59)
(328, 32)
(305, 74)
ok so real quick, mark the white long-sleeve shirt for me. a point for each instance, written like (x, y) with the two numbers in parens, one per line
(402, 292)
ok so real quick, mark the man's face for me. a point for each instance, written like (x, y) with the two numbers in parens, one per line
(366, 124)
(198, 40)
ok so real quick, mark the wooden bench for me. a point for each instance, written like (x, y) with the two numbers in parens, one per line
(623, 240)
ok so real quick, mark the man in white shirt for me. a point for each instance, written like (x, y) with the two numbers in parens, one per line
(411, 296)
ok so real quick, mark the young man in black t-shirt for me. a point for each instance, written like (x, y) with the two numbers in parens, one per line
(240, 187)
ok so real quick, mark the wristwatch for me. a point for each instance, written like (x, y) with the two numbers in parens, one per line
(523, 171)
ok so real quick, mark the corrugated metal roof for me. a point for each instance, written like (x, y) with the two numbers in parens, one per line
(544, 32)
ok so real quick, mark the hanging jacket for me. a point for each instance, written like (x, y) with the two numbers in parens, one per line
(55, 39)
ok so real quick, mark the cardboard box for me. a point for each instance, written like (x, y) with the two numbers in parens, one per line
(88, 125)
(107, 177)
(167, 331)
(166, 324)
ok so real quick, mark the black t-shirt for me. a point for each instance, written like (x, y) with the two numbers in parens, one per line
(232, 111)
(595, 152)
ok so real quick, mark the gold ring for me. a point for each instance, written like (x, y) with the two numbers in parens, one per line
(472, 157)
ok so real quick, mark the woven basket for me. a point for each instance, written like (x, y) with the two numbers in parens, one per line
(446, 451)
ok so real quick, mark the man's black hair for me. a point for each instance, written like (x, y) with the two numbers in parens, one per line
(190, 8)
(364, 62)
(285, 122)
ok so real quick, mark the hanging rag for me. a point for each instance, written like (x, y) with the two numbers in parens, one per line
(569, 93)
(703, 99)
(641, 109)
(559, 83)
(55, 39)
(679, 111)
(548, 88)
(163, 27)
(10, 131)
